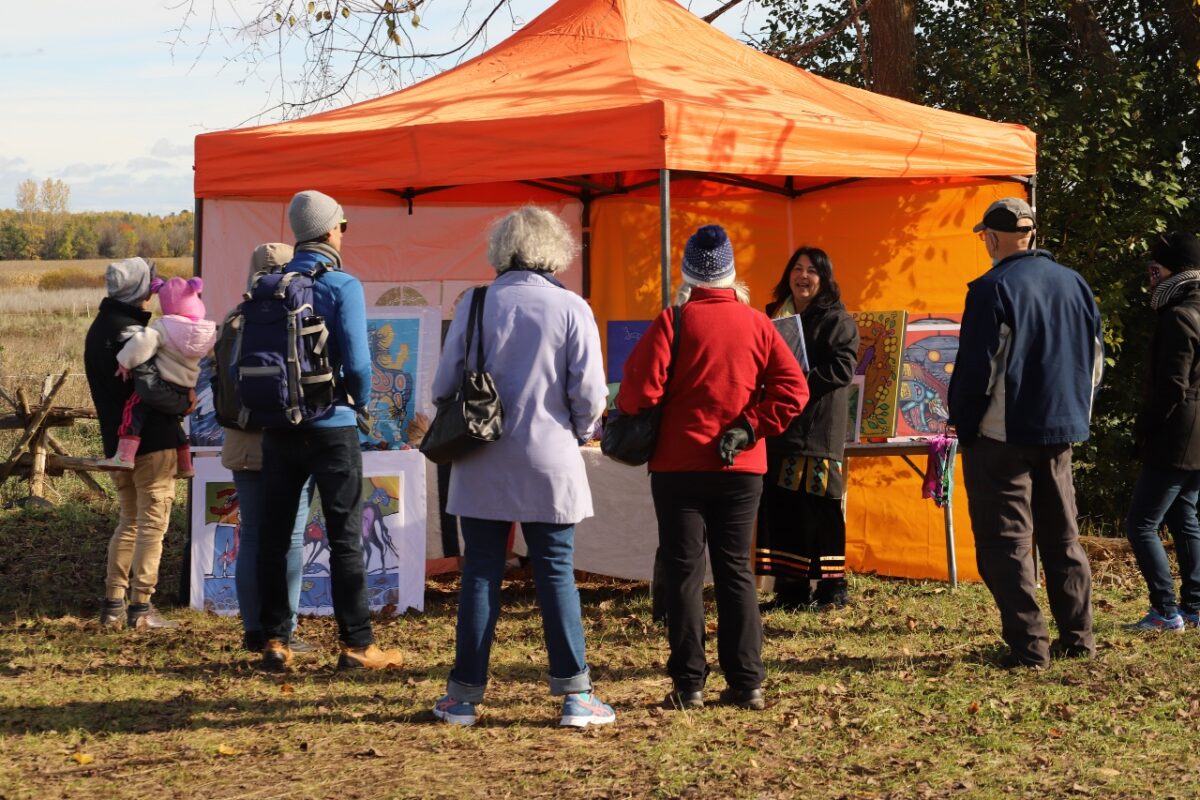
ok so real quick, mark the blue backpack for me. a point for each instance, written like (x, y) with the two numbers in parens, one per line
(280, 361)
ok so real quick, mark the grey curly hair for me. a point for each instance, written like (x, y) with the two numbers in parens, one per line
(531, 237)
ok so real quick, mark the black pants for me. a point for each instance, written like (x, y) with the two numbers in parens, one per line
(333, 458)
(1021, 496)
(717, 507)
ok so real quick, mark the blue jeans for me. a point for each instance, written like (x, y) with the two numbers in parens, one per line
(252, 503)
(551, 553)
(1166, 495)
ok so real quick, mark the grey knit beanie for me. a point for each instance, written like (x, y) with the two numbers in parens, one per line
(708, 258)
(312, 215)
(270, 257)
(128, 281)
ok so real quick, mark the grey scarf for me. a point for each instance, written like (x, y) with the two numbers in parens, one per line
(1168, 287)
(325, 249)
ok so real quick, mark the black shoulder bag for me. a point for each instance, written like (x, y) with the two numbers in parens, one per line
(631, 438)
(474, 416)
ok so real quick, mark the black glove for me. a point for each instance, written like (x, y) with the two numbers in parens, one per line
(734, 440)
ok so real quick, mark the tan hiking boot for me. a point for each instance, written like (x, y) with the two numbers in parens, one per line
(369, 657)
(276, 656)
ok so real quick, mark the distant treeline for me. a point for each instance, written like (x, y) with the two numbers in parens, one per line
(53, 235)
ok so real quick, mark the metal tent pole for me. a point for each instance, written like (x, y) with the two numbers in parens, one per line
(664, 224)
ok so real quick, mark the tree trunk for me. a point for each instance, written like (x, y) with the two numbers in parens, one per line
(1093, 39)
(893, 48)
(1185, 18)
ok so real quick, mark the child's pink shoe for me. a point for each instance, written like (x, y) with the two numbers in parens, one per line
(127, 447)
(183, 462)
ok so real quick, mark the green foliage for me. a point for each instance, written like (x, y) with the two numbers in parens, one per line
(1116, 118)
(41, 235)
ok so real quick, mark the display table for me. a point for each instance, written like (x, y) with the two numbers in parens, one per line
(917, 447)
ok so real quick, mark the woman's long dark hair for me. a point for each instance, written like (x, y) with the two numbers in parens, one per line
(827, 295)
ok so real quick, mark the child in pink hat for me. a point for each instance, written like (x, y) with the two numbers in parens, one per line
(177, 341)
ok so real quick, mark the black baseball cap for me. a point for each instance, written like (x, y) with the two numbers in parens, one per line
(1006, 215)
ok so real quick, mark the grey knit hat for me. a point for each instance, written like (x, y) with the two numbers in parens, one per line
(312, 215)
(708, 259)
(128, 281)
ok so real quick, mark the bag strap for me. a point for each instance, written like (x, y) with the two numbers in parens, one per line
(474, 328)
(677, 326)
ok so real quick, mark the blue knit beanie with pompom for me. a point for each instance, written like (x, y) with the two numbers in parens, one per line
(708, 258)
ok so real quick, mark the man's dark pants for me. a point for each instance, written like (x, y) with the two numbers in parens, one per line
(332, 456)
(718, 508)
(1020, 496)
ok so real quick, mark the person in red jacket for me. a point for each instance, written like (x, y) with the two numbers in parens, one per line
(734, 382)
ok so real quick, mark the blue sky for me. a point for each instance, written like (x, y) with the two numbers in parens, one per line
(94, 96)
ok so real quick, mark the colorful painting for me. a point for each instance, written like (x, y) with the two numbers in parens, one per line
(403, 346)
(929, 354)
(393, 539)
(623, 336)
(855, 407)
(880, 345)
(202, 428)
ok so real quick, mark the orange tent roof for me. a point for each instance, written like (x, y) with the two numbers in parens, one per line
(602, 86)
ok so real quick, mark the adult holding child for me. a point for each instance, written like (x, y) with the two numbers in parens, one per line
(732, 382)
(801, 528)
(145, 492)
(1168, 438)
(542, 348)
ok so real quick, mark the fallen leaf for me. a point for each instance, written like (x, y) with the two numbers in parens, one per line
(973, 708)
(1107, 772)
(287, 688)
(370, 752)
(1054, 733)
(226, 750)
(83, 758)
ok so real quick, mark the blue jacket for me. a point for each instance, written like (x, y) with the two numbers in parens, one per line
(1030, 354)
(338, 297)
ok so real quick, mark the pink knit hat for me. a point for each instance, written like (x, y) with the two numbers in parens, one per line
(182, 297)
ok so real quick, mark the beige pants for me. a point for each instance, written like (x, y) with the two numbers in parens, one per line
(145, 493)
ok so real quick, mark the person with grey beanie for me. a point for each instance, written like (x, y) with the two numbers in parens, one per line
(147, 491)
(324, 450)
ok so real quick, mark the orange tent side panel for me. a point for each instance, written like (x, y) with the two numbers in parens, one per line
(907, 247)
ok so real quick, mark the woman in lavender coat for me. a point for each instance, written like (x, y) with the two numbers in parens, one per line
(542, 348)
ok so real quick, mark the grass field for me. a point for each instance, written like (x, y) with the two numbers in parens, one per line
(898, 696)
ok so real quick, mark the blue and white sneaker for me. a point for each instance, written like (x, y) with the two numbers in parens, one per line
(583, 709)
(1154, 621)
(1191, 619)
(454, 711)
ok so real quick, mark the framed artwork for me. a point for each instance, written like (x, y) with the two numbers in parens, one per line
(793, 334)
(202, 429)
(418, 293)
(880, 346)
(941, 320)
(623, 336)
(855, 403)
(928, 363)
(393, 538)
(404, 344)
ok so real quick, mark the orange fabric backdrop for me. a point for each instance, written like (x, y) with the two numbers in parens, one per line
(893, 247)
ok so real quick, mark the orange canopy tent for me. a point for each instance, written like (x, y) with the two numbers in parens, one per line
(635, 118)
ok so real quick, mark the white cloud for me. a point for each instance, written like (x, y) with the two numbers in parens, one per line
(164, 149)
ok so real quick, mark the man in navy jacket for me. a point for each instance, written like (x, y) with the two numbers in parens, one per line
(325, 450)
(1029, 361)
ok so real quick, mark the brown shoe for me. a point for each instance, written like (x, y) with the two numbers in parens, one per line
(276, 656)
(369, 657)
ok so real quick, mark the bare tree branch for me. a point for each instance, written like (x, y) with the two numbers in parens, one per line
(794, 52)
(710, 18)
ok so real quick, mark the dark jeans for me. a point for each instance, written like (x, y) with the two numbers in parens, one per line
(1018, 496)
(718, 508)
(1164, 494)
(332, 458)
(551, 554)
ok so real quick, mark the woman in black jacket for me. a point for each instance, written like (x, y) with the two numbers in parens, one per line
(801, 529)
(1168, 436)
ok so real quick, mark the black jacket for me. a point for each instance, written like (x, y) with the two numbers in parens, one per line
(831, 339)
(1168, 430)
(104, 340)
